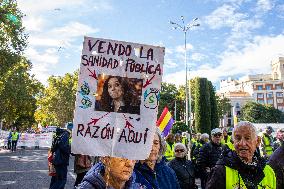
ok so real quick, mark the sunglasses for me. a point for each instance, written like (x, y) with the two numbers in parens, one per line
(217, 135)
(179, 150)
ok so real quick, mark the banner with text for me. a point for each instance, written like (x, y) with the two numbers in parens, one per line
(28, 139)
(117, 98)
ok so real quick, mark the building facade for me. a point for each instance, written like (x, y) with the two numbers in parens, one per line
(262, 88)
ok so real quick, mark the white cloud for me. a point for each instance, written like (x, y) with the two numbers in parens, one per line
(241, 25)
(180, 48)
(34, 7)
(236, 2)
(264, 5)
(242, 30)
(42, 62)
(224, 16)
(61, 36)
(74, 29)
(33, 23)
(170, 63)
(43, 41)
(280, 11)
(254, 58)
(102, 5)
(198, 56)
(52, 41)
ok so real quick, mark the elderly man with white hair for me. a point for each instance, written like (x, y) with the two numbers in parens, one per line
(242, 168)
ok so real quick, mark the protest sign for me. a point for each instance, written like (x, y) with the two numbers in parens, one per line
(117, 99)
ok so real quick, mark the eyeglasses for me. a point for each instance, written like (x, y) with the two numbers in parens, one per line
(179, 150)
(217, 135)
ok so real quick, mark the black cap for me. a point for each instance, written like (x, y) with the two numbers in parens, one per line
(269, 128)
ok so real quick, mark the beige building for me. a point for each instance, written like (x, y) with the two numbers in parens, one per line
(261, 88)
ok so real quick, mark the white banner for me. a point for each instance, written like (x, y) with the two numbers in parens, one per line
(28, 139)
(3, 137)
(41, 140)
(117, 99)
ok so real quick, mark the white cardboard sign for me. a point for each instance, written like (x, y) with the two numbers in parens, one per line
(117, 98)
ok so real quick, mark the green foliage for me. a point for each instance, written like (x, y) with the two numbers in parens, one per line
(56, 104)
(12, 37)
(213, 105)
(202, 107)
(17, 88)
(179, 126)
(167, 97)
(258, 113)
(17, 97)
(223, 106)
(180, 103)
(170, 95)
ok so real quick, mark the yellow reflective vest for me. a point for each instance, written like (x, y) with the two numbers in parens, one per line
(193, 141)
(234, 179)
(228, 143)
(184, 141)
(15, 136)
(267, 145)
(170, 154)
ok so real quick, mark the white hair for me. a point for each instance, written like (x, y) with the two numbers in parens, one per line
(163, 144)
(204, 136)
(243, 124)
(180, 145)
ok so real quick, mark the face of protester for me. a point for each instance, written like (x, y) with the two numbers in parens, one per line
(120, 169)
(269, 132)
(280, 135)
(114, 88)
(245, 142)
(171, 138)
(180, 152)
(177, 138)
(154, 155)
(216, 138)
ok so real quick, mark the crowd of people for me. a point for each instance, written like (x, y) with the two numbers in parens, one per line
(238, 158)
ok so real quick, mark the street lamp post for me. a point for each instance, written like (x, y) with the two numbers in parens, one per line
(184, 28)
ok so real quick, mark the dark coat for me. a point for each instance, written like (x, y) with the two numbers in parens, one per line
(94, 179)
(196, 148)
(185, 172)
(276, 161)
(162, 177)
(209, 154)
(252, 175)
(61, 148)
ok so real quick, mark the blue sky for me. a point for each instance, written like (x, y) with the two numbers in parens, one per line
(235, 37)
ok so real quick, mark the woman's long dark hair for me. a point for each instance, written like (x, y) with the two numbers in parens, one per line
(106, 100)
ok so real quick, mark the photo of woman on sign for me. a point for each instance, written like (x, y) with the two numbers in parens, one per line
(118, 95)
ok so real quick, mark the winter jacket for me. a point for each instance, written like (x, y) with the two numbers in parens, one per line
(250, 174)
(209, 154)
(195, 149)
(162, 177)
(61, 148)
(185, 172)
(94, 179)
(9, 138)
(276, 161)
